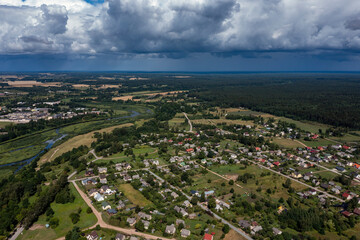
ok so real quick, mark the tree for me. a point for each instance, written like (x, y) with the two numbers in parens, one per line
(75, 217)
(212, 203)
(140, 226)
(54, 222)
(89, 210)
(73, 234)
(226, 228)
(231, 182)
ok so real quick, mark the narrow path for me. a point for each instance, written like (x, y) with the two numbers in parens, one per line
(105, 225)
(190, 124)
(303, 144)
(19, 230)
(219, 175)
(96, 157)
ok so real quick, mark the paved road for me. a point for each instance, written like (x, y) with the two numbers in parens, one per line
(242, 233)
(295, 180)
(17, 233)
(71, 175)
(105, 225)
(190, 124)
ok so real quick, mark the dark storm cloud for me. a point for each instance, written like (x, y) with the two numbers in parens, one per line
(178, 28)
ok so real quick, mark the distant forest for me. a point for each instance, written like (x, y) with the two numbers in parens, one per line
(331, 98)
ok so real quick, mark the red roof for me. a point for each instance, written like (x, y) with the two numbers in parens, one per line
(190, 150)
(346, 213)
(345, 195)
(357, 211)
(277, 163)
(345, 147)
(208, 237)
(356, 165)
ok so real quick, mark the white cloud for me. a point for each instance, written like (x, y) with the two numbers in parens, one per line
(177, 27)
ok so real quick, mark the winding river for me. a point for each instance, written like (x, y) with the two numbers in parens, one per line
(51, 142)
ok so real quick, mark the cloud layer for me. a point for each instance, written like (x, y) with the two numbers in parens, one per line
(175, 28)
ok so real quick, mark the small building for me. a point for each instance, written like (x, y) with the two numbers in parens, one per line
(120, 236)
(131, 221)
(170, 229)
(92, 236)
(208, 237)
(185, 233)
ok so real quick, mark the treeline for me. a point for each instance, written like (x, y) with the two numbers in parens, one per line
(333, 100)
(15, 191)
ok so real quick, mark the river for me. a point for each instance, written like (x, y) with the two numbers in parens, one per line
(51, 142)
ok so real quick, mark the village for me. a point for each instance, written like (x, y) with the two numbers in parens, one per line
(208, 177)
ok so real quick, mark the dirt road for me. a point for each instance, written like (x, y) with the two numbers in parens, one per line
(105, 225)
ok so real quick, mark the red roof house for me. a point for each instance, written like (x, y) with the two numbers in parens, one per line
(208, 237)
(277, 163)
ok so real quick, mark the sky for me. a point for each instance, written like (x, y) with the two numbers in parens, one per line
(179, 35)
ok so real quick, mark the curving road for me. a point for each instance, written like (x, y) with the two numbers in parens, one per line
(105, 225)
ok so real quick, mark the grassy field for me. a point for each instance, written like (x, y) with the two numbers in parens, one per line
(319, 142)
(272, 181)
(134, 196)
(62, 211)
(22, 148)
(84, 139)
(286, 143)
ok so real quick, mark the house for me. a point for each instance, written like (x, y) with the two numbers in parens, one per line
(92, 192)
(209, 193)
(131, 221)
(134, 238)
(256, 229)
(170, 229)
(346, 213)
(103, 179)
(357, 211)
(111, 211)
(185, 233)
(192, 216)
(187, 203)
(180, 221)
(340, 169)
(121, 205)
(146, 224)
(296, 175)
(89, 172)
(105, 205)
(120, 236)
(276, 231)
(276, 164)
(144, 216)
(324, 186)
(98, 197)
(102, 169)
(92, 236)
(244, 224)
(346, 195)
(208, 237)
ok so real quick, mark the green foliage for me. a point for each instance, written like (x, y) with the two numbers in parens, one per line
(75, 217)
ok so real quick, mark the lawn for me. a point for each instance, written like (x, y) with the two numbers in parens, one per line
(319, 142)
(286, 143)
(62, 211)
(134, 195)
(272, 181)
